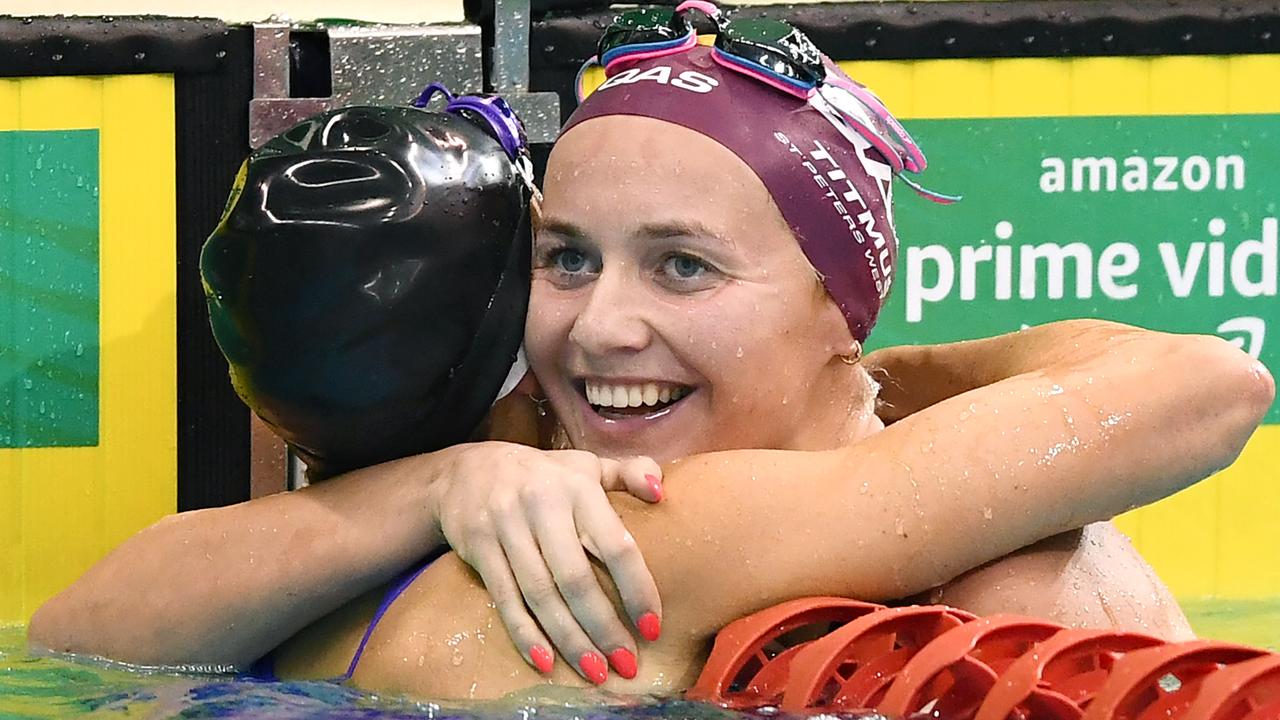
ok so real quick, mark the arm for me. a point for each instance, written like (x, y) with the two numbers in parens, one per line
(978, 475)
(172, 593)
(914, 377)
(971, 479)
(225, 586)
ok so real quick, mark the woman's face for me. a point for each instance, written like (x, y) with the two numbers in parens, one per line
(672, 310)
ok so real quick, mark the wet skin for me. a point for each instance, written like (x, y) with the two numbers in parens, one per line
(631, 288)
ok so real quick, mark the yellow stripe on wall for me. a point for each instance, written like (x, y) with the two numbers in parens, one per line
(1217, 538)
(63, 508)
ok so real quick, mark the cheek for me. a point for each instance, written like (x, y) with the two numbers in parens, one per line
(768, 358)
(547, 326)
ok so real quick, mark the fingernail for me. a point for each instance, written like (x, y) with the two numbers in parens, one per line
(624, 662)
(655, 485)
(593, 667)
(650, 626)
(541, 658)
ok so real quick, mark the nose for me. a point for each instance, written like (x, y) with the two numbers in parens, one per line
(612, 319)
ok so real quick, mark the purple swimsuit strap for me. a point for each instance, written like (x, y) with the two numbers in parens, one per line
(398, 587)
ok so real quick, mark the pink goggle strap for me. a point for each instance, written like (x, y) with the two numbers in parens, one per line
(728, 62)
(625, 58)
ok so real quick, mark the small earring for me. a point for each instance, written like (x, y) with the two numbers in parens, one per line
(540, 405)
(855, 354)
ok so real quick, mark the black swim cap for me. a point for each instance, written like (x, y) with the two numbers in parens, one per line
(369, 280)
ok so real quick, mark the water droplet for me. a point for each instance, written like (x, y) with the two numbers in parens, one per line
(987, 513)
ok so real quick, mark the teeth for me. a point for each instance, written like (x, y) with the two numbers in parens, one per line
(623, 396)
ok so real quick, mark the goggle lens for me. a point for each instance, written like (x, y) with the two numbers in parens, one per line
(642, 27)
(776, 53)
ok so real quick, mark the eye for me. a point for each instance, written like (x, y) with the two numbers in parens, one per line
(684, 267)
(569, 260)
(681, 267)
(683, 272)
(565, 265)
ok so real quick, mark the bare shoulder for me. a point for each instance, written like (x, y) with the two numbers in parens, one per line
(1091, 578)
(442, 638)
(323, 650)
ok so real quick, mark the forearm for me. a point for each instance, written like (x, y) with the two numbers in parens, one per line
(971, 480)
(914, 377)
(974, 478)
(226, 585)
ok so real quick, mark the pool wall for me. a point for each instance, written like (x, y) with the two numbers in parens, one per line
(114, 404)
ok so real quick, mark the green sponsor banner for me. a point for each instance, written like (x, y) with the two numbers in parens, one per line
(1167, 222)
(48, 288)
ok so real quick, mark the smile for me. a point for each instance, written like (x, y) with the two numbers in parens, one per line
(614, 399)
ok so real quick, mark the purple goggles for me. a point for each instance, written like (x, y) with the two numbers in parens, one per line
(495, 111)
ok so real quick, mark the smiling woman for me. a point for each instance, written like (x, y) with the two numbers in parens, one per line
(678, 253)
(637, 283)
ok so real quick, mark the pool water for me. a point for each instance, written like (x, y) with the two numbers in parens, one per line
(40, 687)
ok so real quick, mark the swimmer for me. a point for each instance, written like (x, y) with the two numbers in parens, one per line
(361, 218)
(633, 285)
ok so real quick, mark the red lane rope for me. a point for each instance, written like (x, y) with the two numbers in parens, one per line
(829, 654)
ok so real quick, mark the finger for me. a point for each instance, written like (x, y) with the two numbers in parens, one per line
(580, 588)
(612, 543)
(538, 587)
(498, 579)
(640, 476)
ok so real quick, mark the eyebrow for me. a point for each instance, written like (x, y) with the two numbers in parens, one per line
(649, 231)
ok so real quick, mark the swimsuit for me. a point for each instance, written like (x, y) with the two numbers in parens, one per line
(264, 668)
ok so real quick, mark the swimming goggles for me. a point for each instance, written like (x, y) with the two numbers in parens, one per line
(775, 53)
(501, 120)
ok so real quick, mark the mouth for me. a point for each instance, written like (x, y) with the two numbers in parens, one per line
(616, 400)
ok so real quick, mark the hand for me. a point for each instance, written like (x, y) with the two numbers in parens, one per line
(522, 518)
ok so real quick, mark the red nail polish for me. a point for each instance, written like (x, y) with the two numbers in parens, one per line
(593, 667)
(541, 658)
(655, 485)
(624, 662)
(650, 626)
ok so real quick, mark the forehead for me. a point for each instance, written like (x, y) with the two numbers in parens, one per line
(625, 168)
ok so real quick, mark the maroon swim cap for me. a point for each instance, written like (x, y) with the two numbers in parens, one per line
(834, 193)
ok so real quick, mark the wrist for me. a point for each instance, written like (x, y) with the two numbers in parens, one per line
(437, 474)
